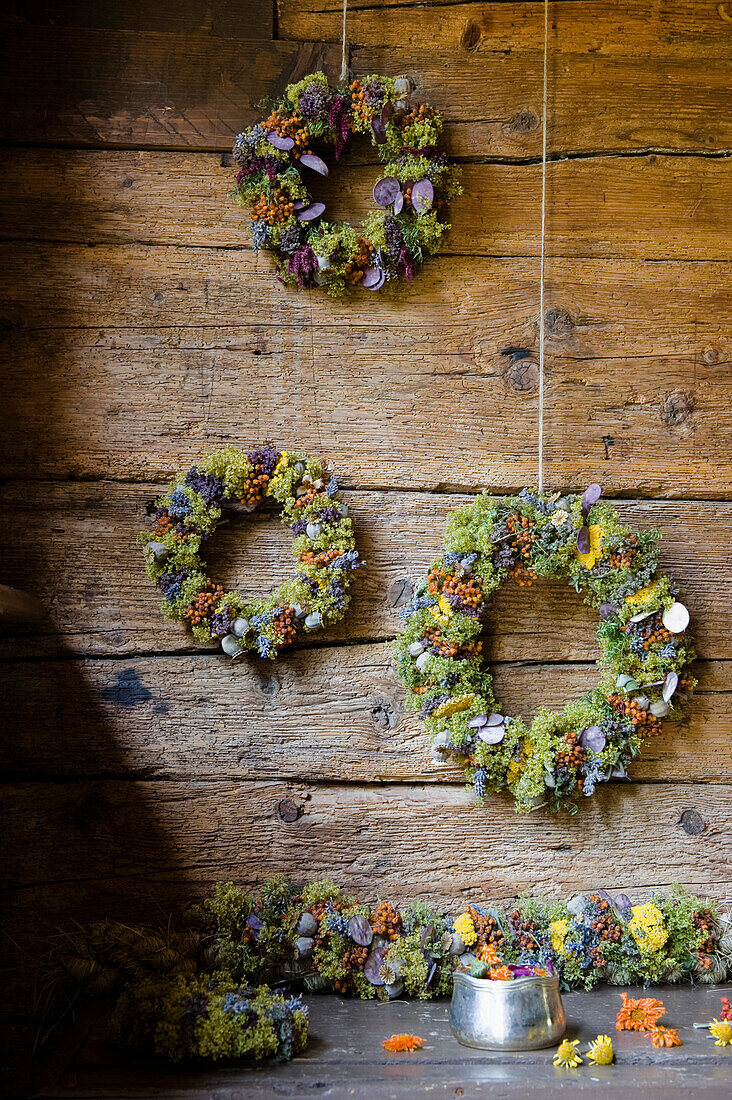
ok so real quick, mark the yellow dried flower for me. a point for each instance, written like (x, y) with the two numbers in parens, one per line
(647, 927)
(595, 552)
(722, 1032)
(558, 931)
(282, 462)
(641, 595)
(567, 1054)
(466, 929)
(600, 1051)
(453, 706)
(445, 606)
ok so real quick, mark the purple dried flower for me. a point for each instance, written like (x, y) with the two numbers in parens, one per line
(170, 584)
(303, 264)
(290, 240)
(266, 459)
(300, 527)
(313, 102)
(405, 264)
(328, 515)
(221, 621)
(210, 487)
(180, 503)
(394, 236)
(338, 119)
(373, 93)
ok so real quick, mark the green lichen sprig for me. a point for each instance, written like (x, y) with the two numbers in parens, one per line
(561, 756)
(324, 549)
(280, 158)
(202, 1020)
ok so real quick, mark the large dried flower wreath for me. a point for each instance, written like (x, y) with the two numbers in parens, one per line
(642, 634)
(279, 157)
(195, 504)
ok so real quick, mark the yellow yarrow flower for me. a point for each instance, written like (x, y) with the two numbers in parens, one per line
(453, 706)
(445, 606)
(600, 1051)
(594, 554)
(466, 929)
(558, 931)
(647, 927)
(641, 595)
(567, 1054)
(722, 1032)
(283, 461)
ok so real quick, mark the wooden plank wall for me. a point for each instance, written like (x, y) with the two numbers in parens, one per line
(139, 328)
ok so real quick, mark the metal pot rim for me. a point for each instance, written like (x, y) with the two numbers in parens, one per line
(550, 981)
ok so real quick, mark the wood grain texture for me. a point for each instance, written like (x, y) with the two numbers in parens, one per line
(222, 18)
(676, 28)
(400, 841)
(99, 601)
(325, 715)
(177, 91)
(594, 206)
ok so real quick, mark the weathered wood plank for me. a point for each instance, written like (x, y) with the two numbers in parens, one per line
(87, 87)
(423, 841)
(75, 545)
(646, 208)
(320, 716)
(223, 18)
(91, 87)
(436, 390)
(682, 28)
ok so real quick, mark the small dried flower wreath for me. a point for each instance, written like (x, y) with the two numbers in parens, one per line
(642, 636)
(278, 158)
(324, 548)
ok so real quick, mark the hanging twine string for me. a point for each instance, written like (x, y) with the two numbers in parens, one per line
(541, 264)
(344, 57)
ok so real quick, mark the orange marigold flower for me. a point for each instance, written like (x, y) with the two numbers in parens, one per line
(488, 954)
(665, 1036)
(398, 1043)
(501, 974)
(639, 1015)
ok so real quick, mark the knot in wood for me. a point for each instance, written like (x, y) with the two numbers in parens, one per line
(711, 355)
(472, 34)
(383, 716)
(558, 321)
(400, 592)
(522, 375)
(289, 810)
(524, 121)
(677, 408)
(692, 822)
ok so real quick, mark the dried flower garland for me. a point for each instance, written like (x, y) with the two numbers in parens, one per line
(279, 157)
(324, 549)
(642, 636)
(320, 937)
(195, 1018)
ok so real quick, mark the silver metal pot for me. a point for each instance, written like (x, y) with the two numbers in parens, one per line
(522, 1014)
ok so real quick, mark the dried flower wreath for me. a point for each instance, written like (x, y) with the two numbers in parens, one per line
(324, 549)
(642, 636)
(278, 158)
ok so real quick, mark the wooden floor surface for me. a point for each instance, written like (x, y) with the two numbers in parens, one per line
(139, 329)
(345, 1059)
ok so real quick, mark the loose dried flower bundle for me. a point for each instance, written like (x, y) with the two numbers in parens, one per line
(645, 650)
(185, 517)
(280, 158)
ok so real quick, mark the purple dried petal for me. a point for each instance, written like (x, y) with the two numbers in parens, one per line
(310, 160)
(593, 493)
(478, 721)
(378, 130)
(283, 143)
(386, 190)
(399, 203)
(430, 976)
(254, 922)
(521, 971)
(387, 111)
(607, 610)
(374, 963)
(670, 685)
(371, 277)
(619, 771)
(360, 931)
(592, 738)
(495, 719)
(311, 212)
(583, 540)
(604, 895)
(299, 205)
(623, 906)
(423, 195)
(492, 735)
